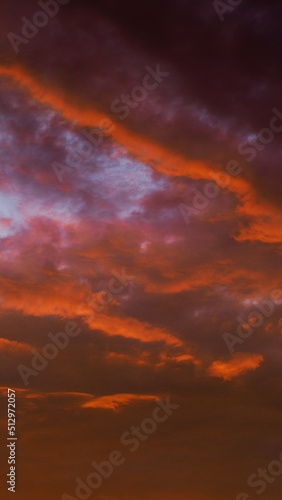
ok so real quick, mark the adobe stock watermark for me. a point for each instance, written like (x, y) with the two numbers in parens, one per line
(255, 319)
(264, 137)
(131, 438)
(262, 478)
(211, 191)
(40, 19)
(139, 93)
(222, 179)
(122, 107)
(223, 7)
(60, 340)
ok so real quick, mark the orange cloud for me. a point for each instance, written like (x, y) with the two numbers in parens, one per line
(240, 363)
(4, 390)
(265, 220)
(13, 346)
(69, 299)
(159, 157)
(144, 148)
(115, 401)
(182, 358)
(112, 402)
(132, 328)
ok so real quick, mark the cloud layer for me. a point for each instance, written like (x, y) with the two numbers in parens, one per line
(145, 239)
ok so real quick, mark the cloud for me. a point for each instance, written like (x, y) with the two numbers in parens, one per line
(116, 401)
(119, 209)
(12, 346)
(241, 363)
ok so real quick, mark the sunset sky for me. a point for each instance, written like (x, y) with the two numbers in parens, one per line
(154, 241)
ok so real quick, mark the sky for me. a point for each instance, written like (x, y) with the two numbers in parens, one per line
(140, 237)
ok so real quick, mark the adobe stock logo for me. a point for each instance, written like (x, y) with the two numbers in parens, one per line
(264, 137)
(133, 438)
(222, 7)
(262, 477)
(211, 190)
(122, 107)
(255, 319)
(39, 20)
(61, 340)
